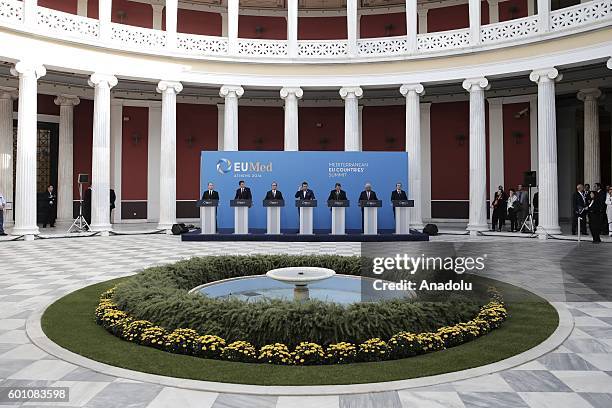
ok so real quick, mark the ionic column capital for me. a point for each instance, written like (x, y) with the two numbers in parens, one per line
(407, 88)
(476, 84)
(67, 100)
(422, 11)
(351, 92)
(546, 74)
(288, 90)
(8, 92)
(588, 94)
(29, 68)
(235, 91)
(99, 79)
(169, 86)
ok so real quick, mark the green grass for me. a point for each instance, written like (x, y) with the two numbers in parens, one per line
(70, 323)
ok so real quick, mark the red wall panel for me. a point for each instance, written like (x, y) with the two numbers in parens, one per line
(261, 128)
(511, 9)
(196, 130)
(384, 128)
(517, 149)
(137, 14)
(322, 28)
(383, 25)
(450, 160)
(197, 22)
(454, 17)
(83, 133)
(46, 105)
(273, 28)
(134, 154)
(67, 6)
(321, 128)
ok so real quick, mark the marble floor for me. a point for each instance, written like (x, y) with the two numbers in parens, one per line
(576, 374)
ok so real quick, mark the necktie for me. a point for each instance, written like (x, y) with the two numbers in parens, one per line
(368, 195)
(273, 193)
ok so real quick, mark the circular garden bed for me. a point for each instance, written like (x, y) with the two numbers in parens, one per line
(152, 312)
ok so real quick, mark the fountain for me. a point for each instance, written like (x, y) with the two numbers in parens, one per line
(300, 277)
(299, 283)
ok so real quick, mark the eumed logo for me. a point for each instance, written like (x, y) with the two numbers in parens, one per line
(224, 166)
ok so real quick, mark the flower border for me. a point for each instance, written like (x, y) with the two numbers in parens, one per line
(401, 345)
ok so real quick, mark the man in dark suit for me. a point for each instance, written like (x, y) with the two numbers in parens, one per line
(398, 193)
(274, 194)
(366, 195)
(243, 192)
(523, 200)
(113, 198)
(304, 193)
(337, 193)
(580, 203)
(210, 193)
(601, 205)
(50, 207)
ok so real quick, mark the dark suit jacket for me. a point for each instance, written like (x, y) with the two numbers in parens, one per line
(113, 198)
(245, 195)
(398, 196)
(210, 196)
(269, 196)
(364, 196)
(340, 196)
(579, 202)
(309, 195)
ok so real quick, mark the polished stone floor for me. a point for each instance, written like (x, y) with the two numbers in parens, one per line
(577, 374)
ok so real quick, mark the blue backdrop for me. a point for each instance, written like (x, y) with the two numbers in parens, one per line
(320, 169)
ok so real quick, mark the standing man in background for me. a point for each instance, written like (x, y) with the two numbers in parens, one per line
(50, 207)
(2, 206)
(523, 200)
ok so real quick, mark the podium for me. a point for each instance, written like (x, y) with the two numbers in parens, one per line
(370, 216)
(306, 216)
(402, 217)
(273, 209)
(208, 216)
(338, 215)
(241, 215)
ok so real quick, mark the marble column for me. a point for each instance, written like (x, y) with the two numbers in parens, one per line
(82, 8)
(27, 134)
(411, 26)
(422, 25)
(292, 28)
(167, 163)
(104, 18)
(171, 21)
(158, 10)
(544, 15)
(291, 95)
(231, 93)
(7, 95)
(232, 26)
(351, 28)
(475, 12)
(351, 95)
(65, 160)
(100, 159)
(592, 160)
(478, 155)
(412, 93)
(548, 187)
(29, 12)
(493, 11)
(220, 125)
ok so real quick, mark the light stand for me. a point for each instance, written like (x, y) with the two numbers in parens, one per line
(80, 224)
(529, 219)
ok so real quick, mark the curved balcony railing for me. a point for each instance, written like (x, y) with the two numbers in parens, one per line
(582, 17)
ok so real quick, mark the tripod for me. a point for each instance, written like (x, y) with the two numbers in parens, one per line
(79, 224)
(529, 223)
